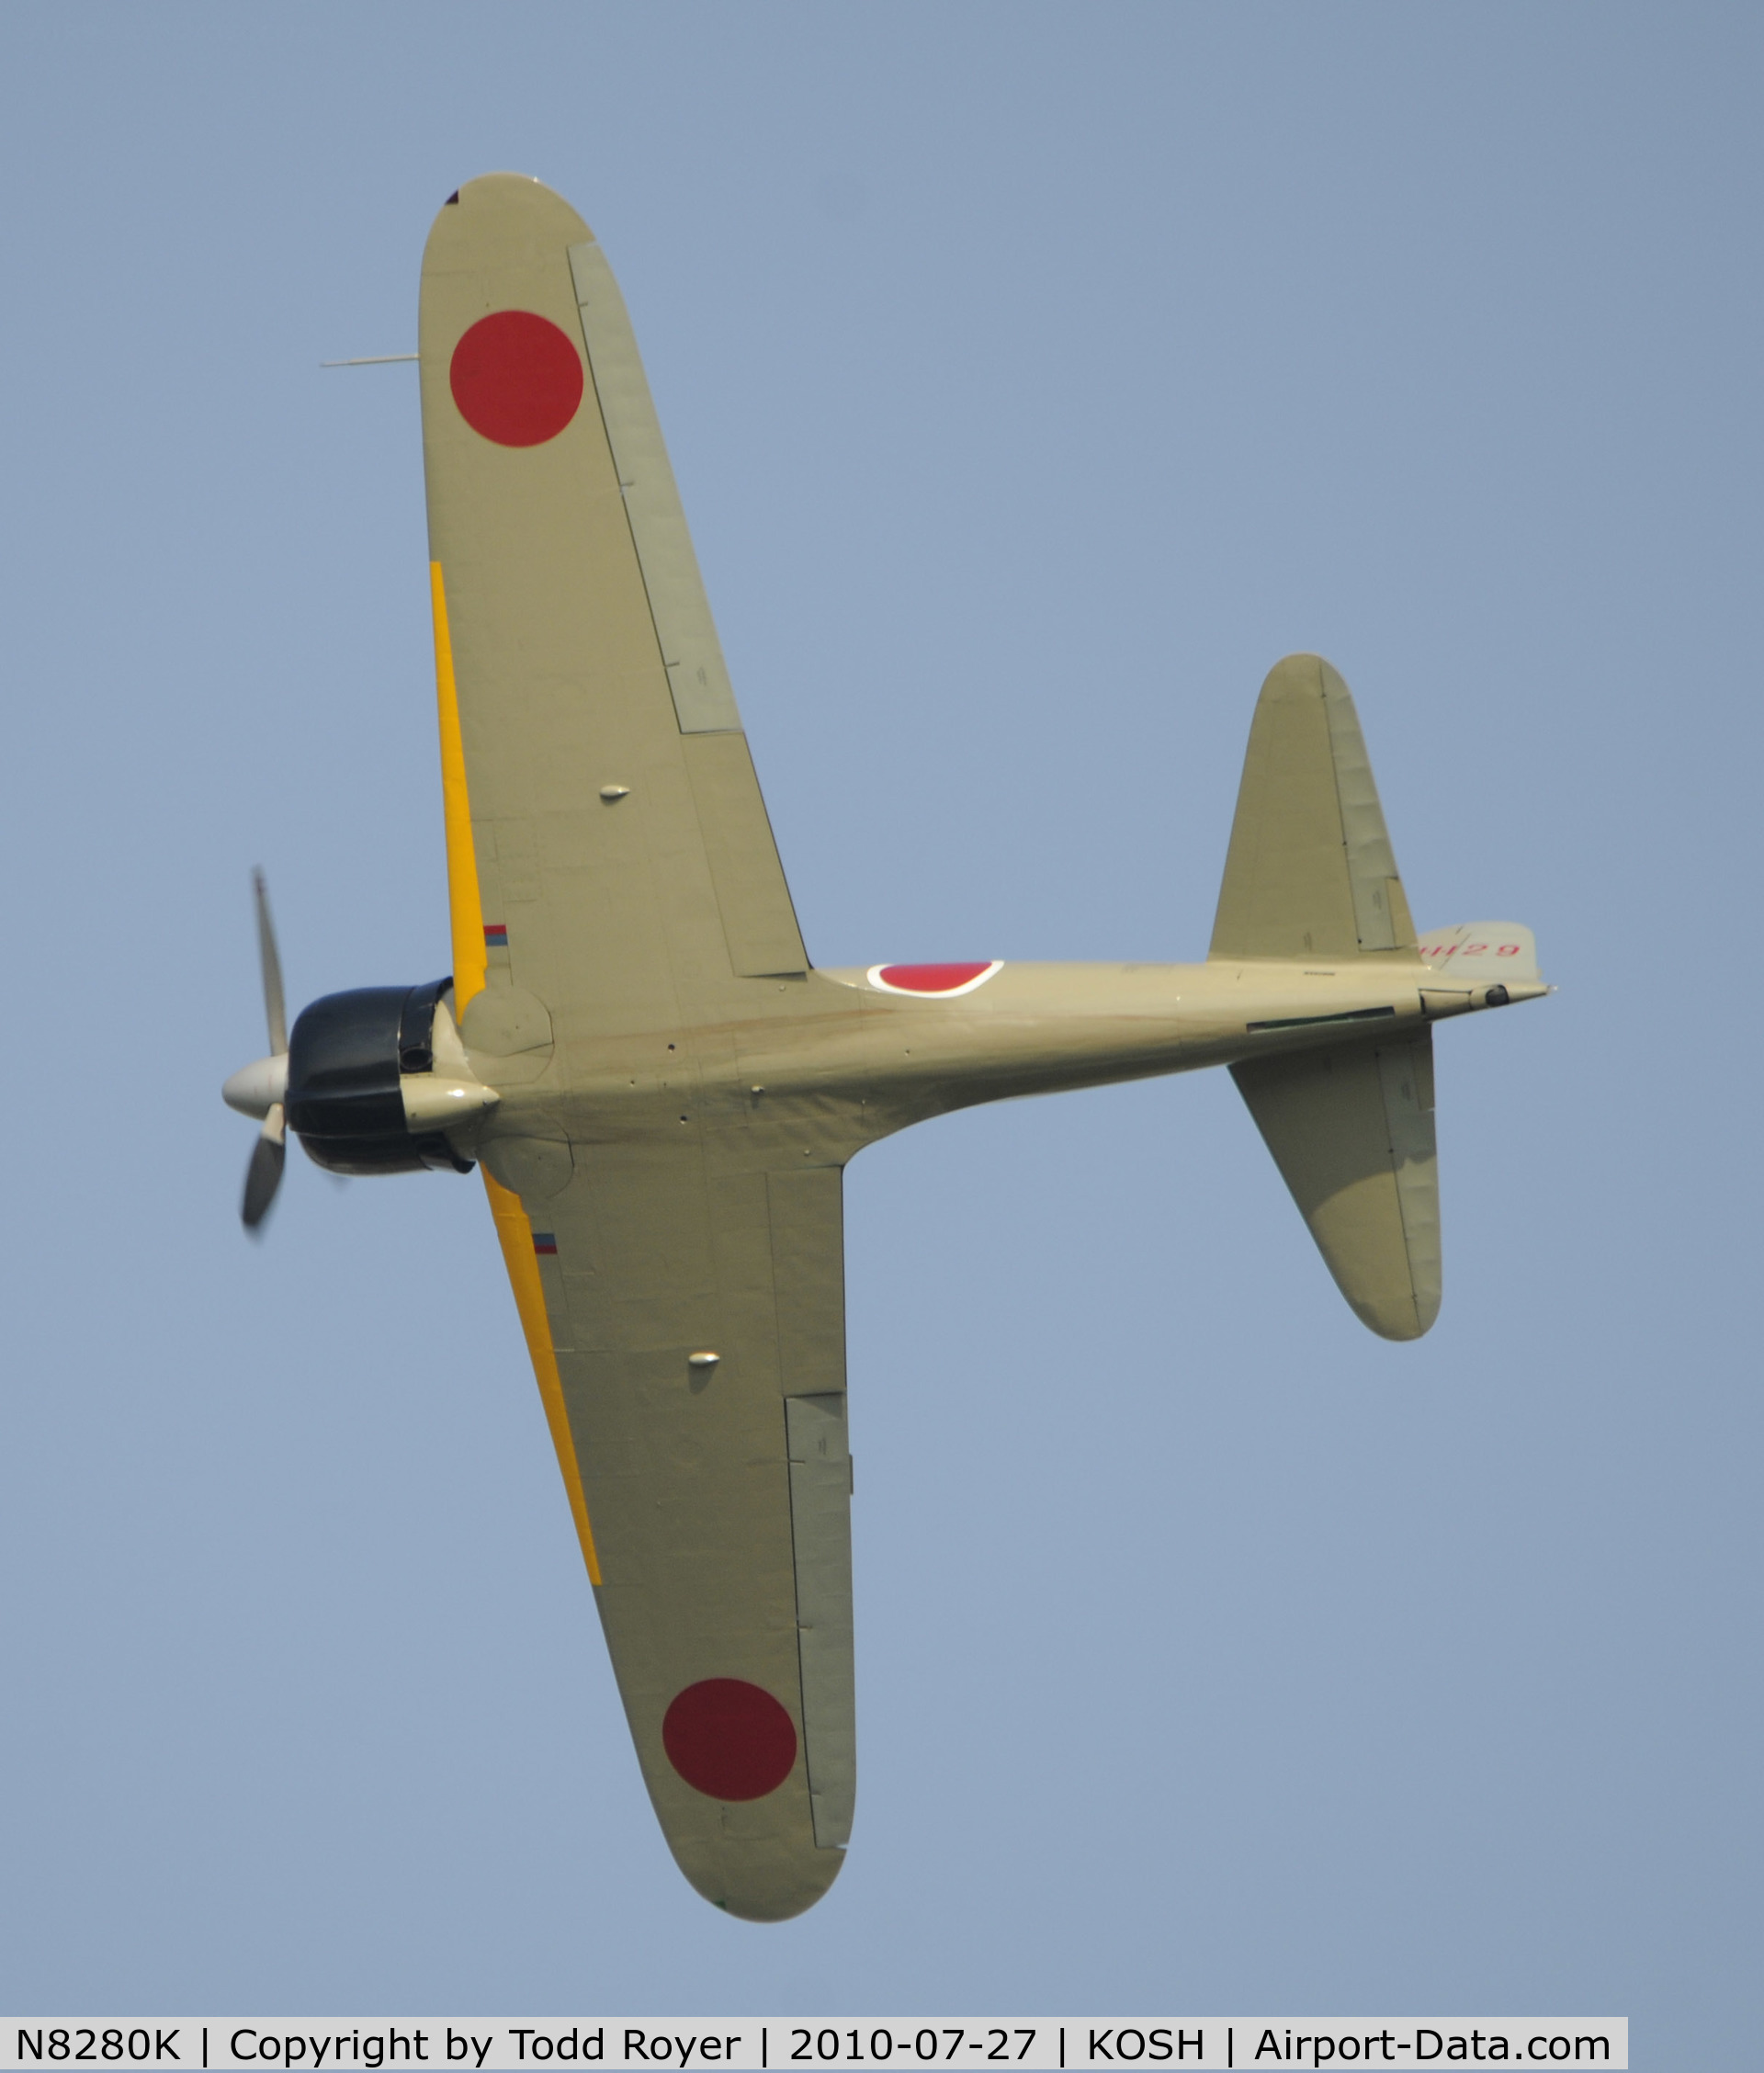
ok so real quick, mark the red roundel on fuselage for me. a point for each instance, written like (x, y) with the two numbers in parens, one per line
(931, 979)
(516, 379)
(729, 1739)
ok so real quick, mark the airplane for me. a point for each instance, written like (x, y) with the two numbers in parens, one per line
(662, 1093)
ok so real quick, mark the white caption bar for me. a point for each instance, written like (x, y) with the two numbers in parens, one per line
(310, 2046)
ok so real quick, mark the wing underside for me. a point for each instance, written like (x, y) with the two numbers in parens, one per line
(712, 1494)
(618, 909)
(609, 848)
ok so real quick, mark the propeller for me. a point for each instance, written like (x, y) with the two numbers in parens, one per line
(275, 1011)
(259, 1090)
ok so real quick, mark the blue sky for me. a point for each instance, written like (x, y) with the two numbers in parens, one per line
(1035, 377)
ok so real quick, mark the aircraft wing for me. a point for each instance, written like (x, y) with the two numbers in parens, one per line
(606, 833)
(713, 1495)
(614, 890)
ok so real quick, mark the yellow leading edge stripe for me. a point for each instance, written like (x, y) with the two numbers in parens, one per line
(465, 906)
(516, 1234)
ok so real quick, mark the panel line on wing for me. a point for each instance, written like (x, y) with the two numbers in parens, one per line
(820, 1499)
(703, 700)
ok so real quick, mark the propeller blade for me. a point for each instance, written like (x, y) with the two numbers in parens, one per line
(272, 1004)
(264, 1176)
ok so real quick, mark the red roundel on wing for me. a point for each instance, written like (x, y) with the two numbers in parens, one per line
(516, 379)
(729, 1739)
(931, 979)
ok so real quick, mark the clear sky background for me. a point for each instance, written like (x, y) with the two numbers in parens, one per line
(1035, 377)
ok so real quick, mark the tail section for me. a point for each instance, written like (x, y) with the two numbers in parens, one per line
(1352, 1130)
(1309, 873)
(1479, 964)
(1310, 877)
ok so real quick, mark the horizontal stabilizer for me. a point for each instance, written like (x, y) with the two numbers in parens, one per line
(1309, 872)
(1352, 1130)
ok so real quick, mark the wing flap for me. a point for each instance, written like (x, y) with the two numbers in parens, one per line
(1350, 1128)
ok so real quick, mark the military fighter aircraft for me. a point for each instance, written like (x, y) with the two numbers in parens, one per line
(663, 1093)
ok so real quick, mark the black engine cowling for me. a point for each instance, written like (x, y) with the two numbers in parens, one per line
(344, 1057)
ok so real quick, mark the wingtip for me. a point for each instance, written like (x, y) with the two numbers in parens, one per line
(776, 1889)
(1401, 1325)
(515, 199)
